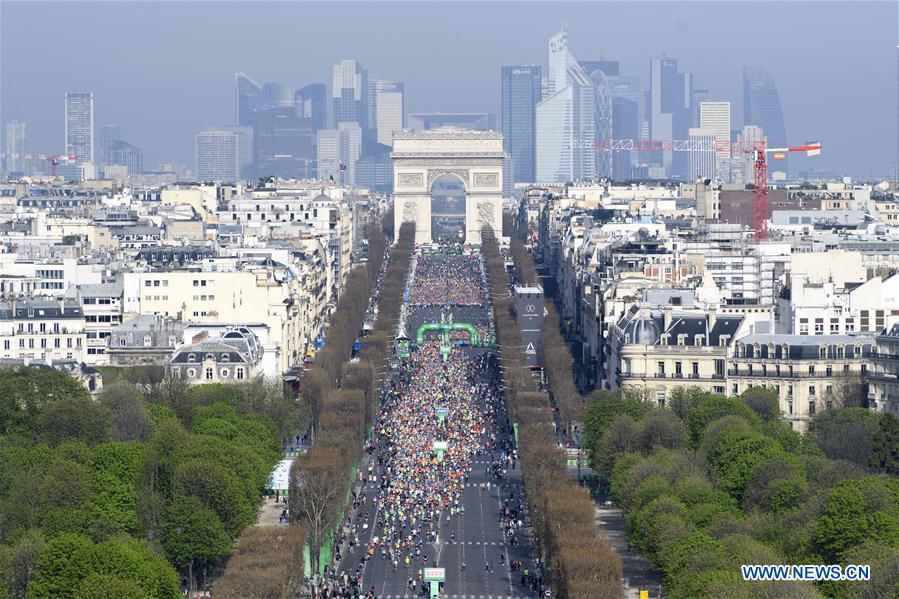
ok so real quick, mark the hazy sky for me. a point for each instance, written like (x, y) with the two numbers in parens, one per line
(164, 70)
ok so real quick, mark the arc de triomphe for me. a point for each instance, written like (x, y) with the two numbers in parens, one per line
(474, 157)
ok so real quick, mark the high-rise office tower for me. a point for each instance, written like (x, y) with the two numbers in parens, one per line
(627, 120)
(245, 151)
(566, 119)
(121, 153)
(249, 98)
(337, 151)
(761, 107)
(79, 125)
(520, 96)
(349, 93)
(310, 103)
(387, 109)
(15, 147)
(109, 134)
(715, 116)
(284, 143)
(702, 162)
(216, 155)
(670, 110)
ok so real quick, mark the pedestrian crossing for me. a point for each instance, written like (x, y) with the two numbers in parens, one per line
(473, 543)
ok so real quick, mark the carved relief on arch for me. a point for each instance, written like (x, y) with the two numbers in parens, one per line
(486, 214)
(434, 174)
(410, 211)
(409, 180)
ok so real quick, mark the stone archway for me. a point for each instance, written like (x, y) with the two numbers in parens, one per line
(474, 157)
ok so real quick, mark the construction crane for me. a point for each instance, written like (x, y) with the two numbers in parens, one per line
(54, 159)
(756, 150)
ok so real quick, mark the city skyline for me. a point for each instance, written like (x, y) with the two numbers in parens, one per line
(164, 124)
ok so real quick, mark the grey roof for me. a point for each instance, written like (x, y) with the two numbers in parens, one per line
(40, 309)
(113, 289)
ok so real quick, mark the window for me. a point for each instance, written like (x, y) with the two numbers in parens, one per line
(678, 369)
(661, 371)
(209, 374)
(719, 367)
(736, 388)
(57, 342)
(811, 408)
(660, 396)
(224, 373)
(695, 366)
(191, 357)
(789, 407)
(789, 390)
(191, 372)
(6, 344)
(829, 370)
(148, 341)
(238, 373)
(811, 389)
(811, 370)
(819, 326)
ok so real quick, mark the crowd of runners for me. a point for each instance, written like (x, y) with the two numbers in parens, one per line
(452, 279)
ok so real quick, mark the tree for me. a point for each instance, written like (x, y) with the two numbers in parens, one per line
(18, 564)
(218, 489)
(712, 407)
(763, 402)
(601, 410)
(736, 456)
(131, 419)
(856, 511)
(884, 454)
(25, 392)
(113, 503)
(316, 483)
(845, 433)
(76, 417)
(109, 586)
(661, 429)
(193, 535)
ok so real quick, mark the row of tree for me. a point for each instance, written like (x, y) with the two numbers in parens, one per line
(107, 497)
(579, 564)
(708, 483)
(557, 360)
(268, 563)
(343, 392)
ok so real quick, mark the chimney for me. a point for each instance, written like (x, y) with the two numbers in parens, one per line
(713, 317)
(669, 314)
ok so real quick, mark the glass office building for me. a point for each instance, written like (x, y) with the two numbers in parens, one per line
(520, 96)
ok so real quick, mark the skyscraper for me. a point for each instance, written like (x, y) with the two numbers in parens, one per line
(245, 151)
(337, 152)
(609, 68)
(79, 126)
(109, 134)
(702, 162)
(216, 155)
(15, 147)
(670, 113)
(249, 98)
(387, 111)
(349, 93)
(627, 120)
(276, 94)
(761, 107)
(284, 143)
(565, 119)
(715, 116)
(310, 103)
(121, 153)
(520, 96)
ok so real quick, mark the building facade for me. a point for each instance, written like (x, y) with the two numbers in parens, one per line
(79, 126)
(520, 96)
(217, 155)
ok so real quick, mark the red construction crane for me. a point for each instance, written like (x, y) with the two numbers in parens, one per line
(757, 151)
(54, 159)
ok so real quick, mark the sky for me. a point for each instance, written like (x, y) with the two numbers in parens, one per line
(165, 70)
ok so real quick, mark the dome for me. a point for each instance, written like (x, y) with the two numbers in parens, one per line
(643, 331)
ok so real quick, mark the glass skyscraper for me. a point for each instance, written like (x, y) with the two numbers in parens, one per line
(761, 107)
(79, 125)
(284, 143)
(217, 155)
(520, 96)
(310, 102)
(566, 119)
(349, 93)
(249, 98)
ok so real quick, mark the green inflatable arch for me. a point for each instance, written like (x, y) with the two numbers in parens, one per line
(446, 329)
